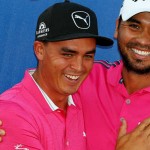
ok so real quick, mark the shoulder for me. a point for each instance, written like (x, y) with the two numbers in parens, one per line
(101, 68)
(101, 72)
(21, 126)
(12, 109)
(106, 64)
(12, 93)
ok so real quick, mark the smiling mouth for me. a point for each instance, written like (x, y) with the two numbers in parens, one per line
(142, 53)
(72, 77)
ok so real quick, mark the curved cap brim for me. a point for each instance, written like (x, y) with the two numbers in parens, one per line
(100, 40)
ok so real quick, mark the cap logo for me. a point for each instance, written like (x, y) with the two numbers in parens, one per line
(136, 0)
(81, 19)
(132, 0)
(42, 30)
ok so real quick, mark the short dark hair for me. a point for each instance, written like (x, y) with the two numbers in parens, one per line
(119, 21)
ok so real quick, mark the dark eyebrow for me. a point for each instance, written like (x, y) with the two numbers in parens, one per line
(91, 52)
(64, 49)
(133, 20)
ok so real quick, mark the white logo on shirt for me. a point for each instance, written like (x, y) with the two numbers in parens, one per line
(20, 147)
(84, 134)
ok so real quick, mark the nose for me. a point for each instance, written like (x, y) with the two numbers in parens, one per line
(144, 37)
(77, 64)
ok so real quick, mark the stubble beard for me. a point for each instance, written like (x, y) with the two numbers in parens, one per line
(130, 66)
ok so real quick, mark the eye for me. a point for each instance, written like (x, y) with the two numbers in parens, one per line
(134, 26)
(67, 54)
(89, 56)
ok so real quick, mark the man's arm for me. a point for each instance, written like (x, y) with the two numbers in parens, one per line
(21, 128)
(138, 139)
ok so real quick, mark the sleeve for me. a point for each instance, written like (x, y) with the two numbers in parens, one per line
(22, 131)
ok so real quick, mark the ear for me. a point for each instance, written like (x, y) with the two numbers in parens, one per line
(39, 50)
(116, 30)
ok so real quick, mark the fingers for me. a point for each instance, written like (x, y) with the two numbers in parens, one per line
(0, 122)
(138, 139)
(142, 130)
(122, 137)
(143, 126)
(2, 132)
(123, 128)
(146, 130)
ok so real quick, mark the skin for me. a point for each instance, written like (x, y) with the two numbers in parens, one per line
(138, 139)
(132, 34)
(62, 67)
(2, 132)
(133, 38)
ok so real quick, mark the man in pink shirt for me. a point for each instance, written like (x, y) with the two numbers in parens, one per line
(111, 93)
(121, 90)
(39, 113)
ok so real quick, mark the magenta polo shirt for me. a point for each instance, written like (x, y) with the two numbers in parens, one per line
(105, 101)
(31, 124)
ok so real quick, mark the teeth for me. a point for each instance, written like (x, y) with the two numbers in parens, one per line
(72, 77)
(143, 53)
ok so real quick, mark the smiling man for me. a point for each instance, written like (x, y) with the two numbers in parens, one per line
(121, 90)
(39, 113)
(111, 92)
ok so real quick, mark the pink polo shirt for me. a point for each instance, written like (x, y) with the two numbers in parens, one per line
(32, 125)
(105, 101)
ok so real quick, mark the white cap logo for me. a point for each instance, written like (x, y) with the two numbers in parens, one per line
(136, 0)
(81, 19)
(42, 30)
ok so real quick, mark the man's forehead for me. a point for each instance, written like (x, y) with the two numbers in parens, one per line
(140, 17)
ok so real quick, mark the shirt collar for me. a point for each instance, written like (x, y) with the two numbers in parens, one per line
(48, 100)
(115, 76)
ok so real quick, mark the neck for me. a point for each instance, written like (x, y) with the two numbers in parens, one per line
(134, 82)
(58, 99)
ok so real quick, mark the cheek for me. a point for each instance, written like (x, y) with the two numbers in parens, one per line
(60, 63)
(58, 66)
(88, 66)
(123, 40)
(125, 36)
(56, 62)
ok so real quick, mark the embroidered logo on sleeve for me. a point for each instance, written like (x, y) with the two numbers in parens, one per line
(20, 147)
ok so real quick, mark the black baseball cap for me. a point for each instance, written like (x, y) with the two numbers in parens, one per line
(68, 20)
